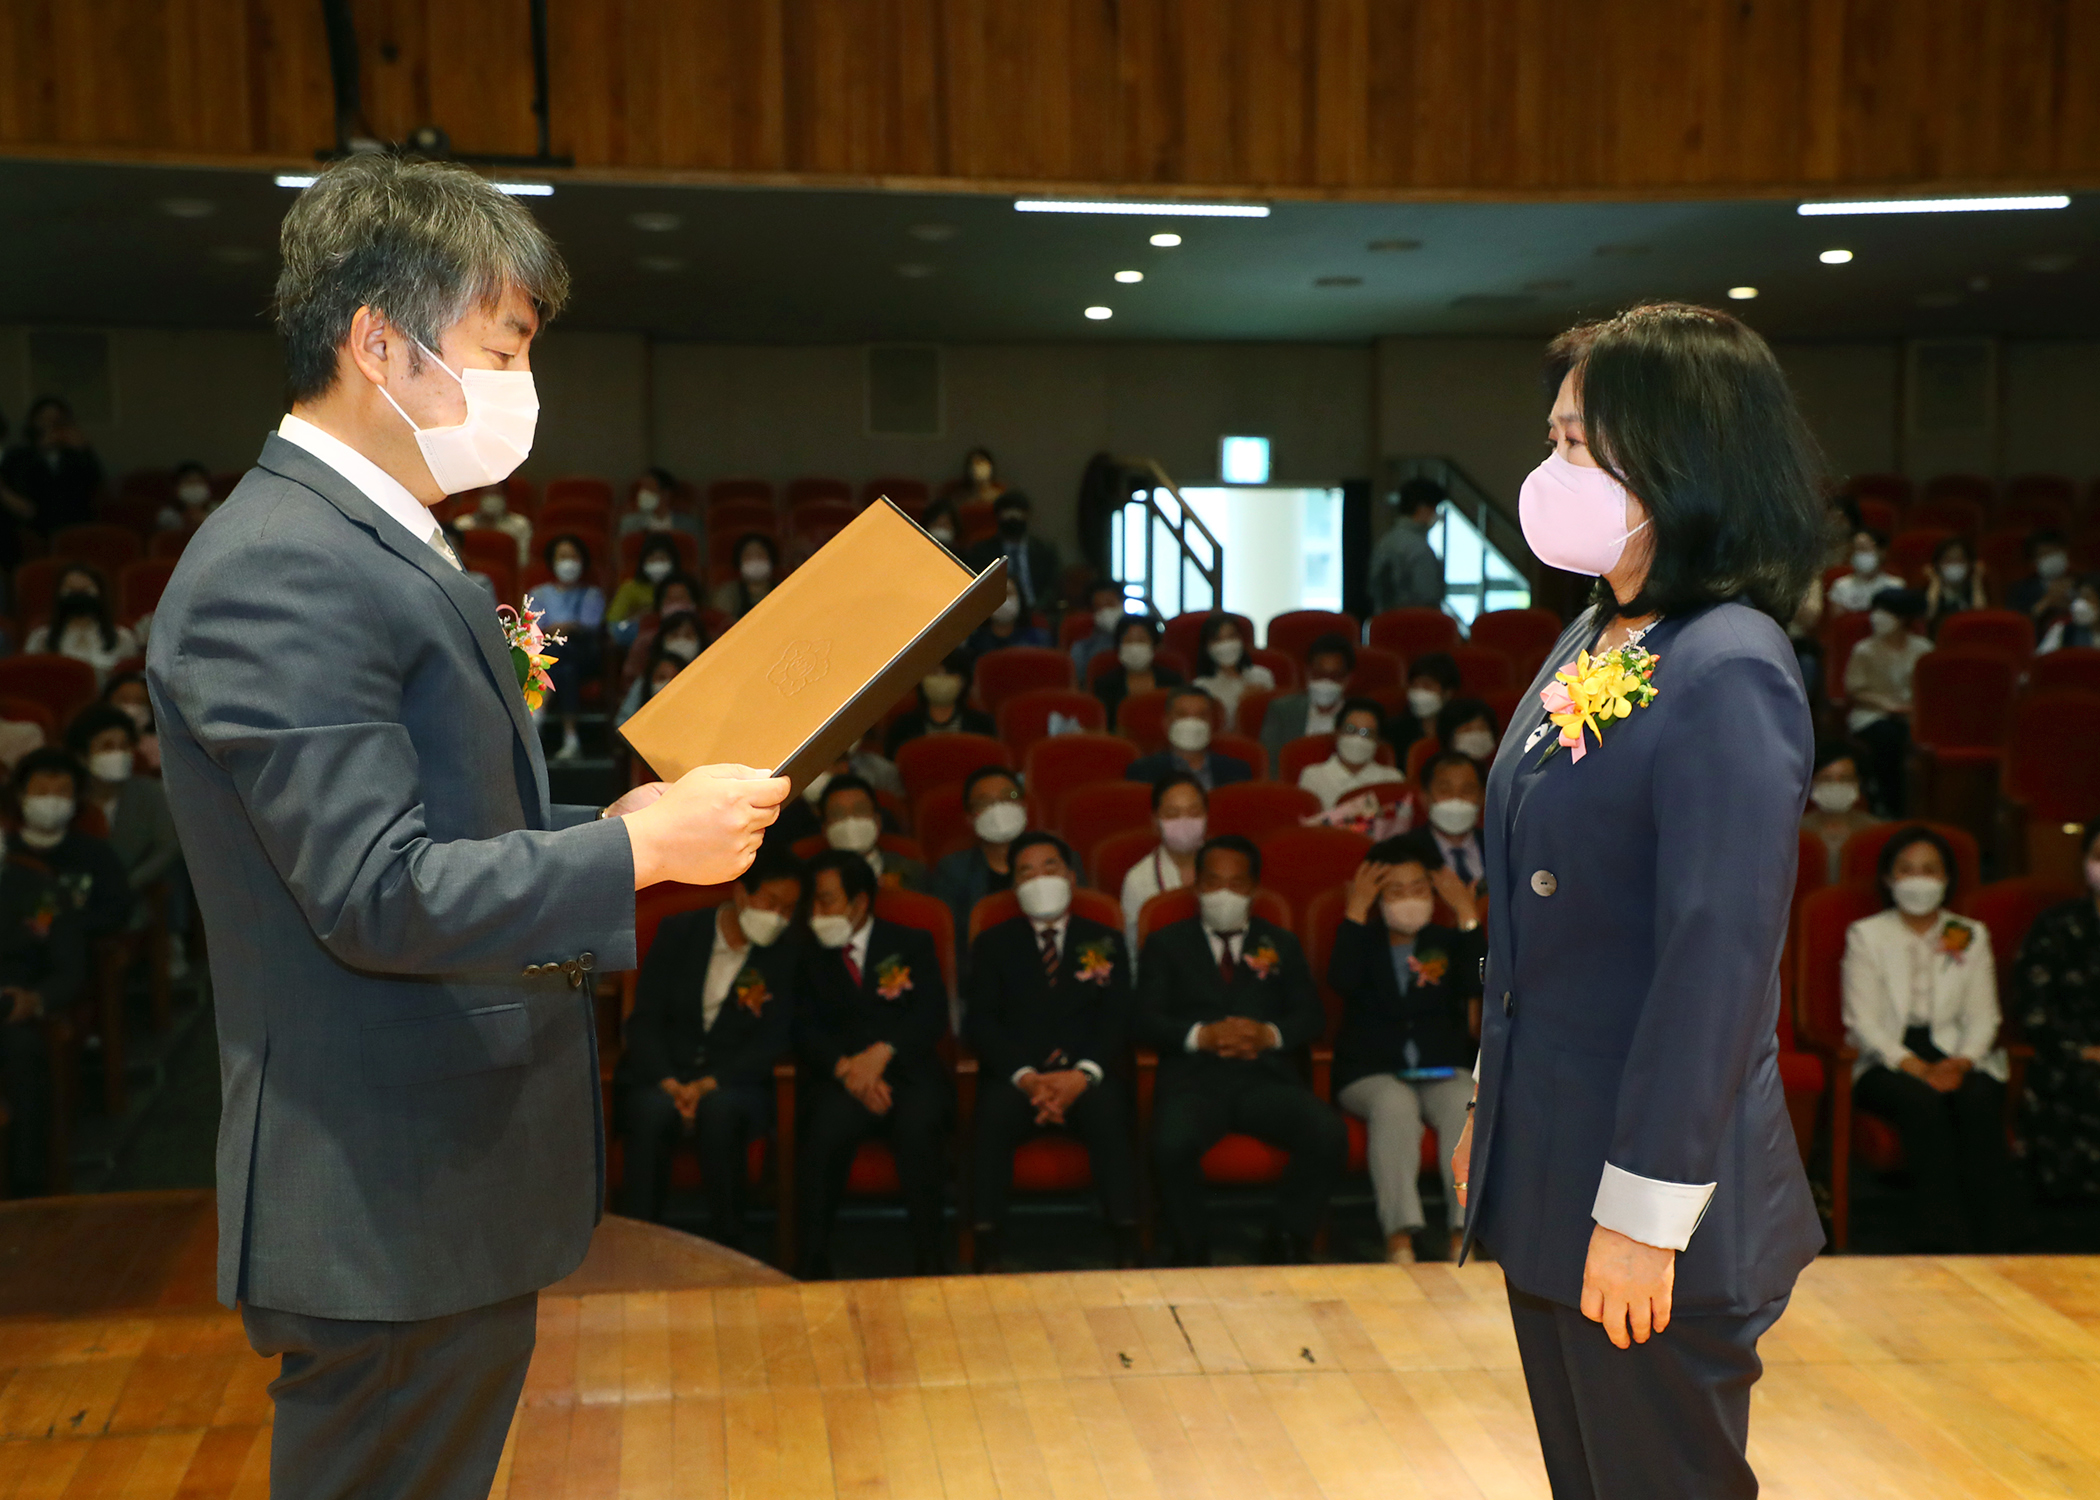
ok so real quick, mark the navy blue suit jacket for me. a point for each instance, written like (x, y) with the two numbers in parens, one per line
(668, 1035)
(1629, 1015)
(1225, 770)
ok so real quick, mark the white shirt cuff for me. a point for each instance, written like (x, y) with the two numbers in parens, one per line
(1662, 1214)
(1091, 1068)
(1019, 1074)
(1275, 1035)
(1188, 1043)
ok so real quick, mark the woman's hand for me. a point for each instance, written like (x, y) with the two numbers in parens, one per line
(1462, 1160)
(1627, 1286)
(1363, 890)
(1457, 895)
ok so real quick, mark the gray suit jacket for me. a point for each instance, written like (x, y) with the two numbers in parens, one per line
(411, 1123)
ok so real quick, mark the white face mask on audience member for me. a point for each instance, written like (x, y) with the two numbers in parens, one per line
(1866, 562)
(110, 766)
(762, 926)
(491, 505)
(832, 931)
(2052, 565)
(1224, 910)
(568, 569)
(648, 501)
(2084, 612)
(192, 493)
(941, 688)
(1323, 693)
(141, 715)
(1406, 915)
(1001, 823)
(1454, 817)
(1883, 623)
(1107, 618)
(1135, 656)
(1918, 895)
(47, 815)
(1189, 734)
(1954, 574)
(684, 647)
(943, 534)
(1227, 651)
(657, 569)
(1835, 797)
(1424, 703)
(1479, 744)
(1009, 609)
(1356, 746)
(756, 569)
(1045, 898)
(855, 832)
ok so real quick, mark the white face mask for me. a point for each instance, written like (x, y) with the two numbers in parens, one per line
(110, 765)
(1001, 823)
(657, 569)
(492, 505)
(1424, 703)
(141, 715)
(1881, 622)
(1407, 914)
(856, 833)
(1476, 744)
(1183, 835)
(1136, 656)
(1835, 796)
(1189, 735)
(1355, 750)
(684, 647)
(1224, 910)
(193, 492)
(945, 535)
(2053, 565)
(761, 926)
(1954, 574)
(1226, 652)
(1323, 693)
(2083, 612)
(832, 932)
(755, 569)
(1918, 895)
(646, 501)
(942, 688)
(1045, 898)
(47, 815)
(1008, 611)
(1454, 817)
(495, 437)
(1868, 563)
(1107, 618)
(568, 569)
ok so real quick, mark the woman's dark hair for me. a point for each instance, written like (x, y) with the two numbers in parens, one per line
(1142, 622)
(670, 581)
(658, 655)
(942, 509)
(1904, 604)
(96, 719)
(1043, 836)
(848, 782)
(983, 453)
(1904, 838)
(189, 466)
(1214, 627)
(582, 550)
(1437, 665)
(1687, 408)
(772, 547)
(1879, 537)
(1333, 644)
(2044, 536)
(1444, 758)
(1414, 847)
(1951, 544)
(46, 760)
(1459, 712)
(657, 542)
(71, 607)
(1171, 780)
(1369, 706)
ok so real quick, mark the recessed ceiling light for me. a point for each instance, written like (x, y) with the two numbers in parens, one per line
(915, 270)
(526, 189)
(655, 223)
(1932, 205)
(1130, 276)
(1338, 281)
(188, 208)
(1742, 293)
(932, 234)
(295, 179)
(1143, 210)
(1100, 314)
(663, 263)
(1166, 241)
(1835, 257)
(1396, 244)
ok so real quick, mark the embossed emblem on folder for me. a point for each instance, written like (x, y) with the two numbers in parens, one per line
(802, 663)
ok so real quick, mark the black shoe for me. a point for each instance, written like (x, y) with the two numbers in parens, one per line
(1285, 1249)
(984, 1256)
(1129, 1249)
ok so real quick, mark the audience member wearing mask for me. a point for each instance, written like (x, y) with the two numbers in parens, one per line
(2046, 592)
(871, 1007)
(81, 625)
(1877, 686)
(1317, 710)
(574, 606)
(1837, 808)
(491, 512)
(127, 690)
(943, 525)
(664, 663)
(135, 808)
(1225, 997)
(1403, 1052)
(992, 798)
(1468, 726)
(1921, 1008)
(2056, 995)
(852, 820)
(676, 594)
(1031, 562)
(1137, 668)
(1010, 625)
(190, 500)
(713, 1011)
(1856, 590)
(757, 559)
(654, 508)
(979, 482)
(1953, 583)
(43, 970)
(2080, 623)
(1191, 721)
(1405, 571)
(941, 707)
(48, 786)
(1181, 816)
(17, 738)
(635, 598)
(1104, 602)
(53, 468)
(1354, 764)
(1455, 791)
(1223, 668)
(1432, 681)
(1048, 1013)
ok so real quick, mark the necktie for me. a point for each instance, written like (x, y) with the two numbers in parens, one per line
(1049, 936)
(1462, 862)
(852, 968)
(1226, 967)
(443, 548)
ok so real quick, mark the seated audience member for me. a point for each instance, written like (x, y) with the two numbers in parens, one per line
(1136, 670)
(574, 607)
(81, 624)
(852, 820)
(2079, 625)
(127, 690)
(1189, 714)
(1047, 1010)
(992, 797)
(141, 829)
(1224, 670)
(1953, 583)
(1403, 1052)
(635, 598)
(1010, 625)
(2044, 593)
(676, 594)
(49, 786)
(1456, 791)
(1104, 601)
(1181, 814)
(53, 468)
(654, 508)
(1318, 709)
(664, 664)
(940, 522)
(2056, 994)
(1223, 997)
(679, 632)
(43, 968)
(1877, 686)
(713, 1011)
(492, 512)
(757, 558)
(190, 502)
(1032, 564)
(1856, 590)
(1835, 811)
(17, 738)
(1432, 681)
(1468, 726)
(1354, 764)
(1921, 1007)
(870, 1010)
(941, 707)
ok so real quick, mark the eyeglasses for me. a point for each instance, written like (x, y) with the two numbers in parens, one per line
(1357, 731)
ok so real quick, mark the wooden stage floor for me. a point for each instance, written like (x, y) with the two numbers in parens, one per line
(668, 1368)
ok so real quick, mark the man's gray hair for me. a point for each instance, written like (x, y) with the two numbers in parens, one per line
(422, 241)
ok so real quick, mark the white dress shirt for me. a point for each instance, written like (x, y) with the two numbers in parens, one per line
(1330, 780)
(1225, 945)
(1895, 979)
(1056, 930)
(1476, 857)
(723, 966)
(373, 482)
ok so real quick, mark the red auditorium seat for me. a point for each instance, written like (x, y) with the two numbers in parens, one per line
(1255, 809)
(169, 544)
(1093, 813)
(2003, 552)
(1377, 671)
(941, 822)
(2007, 908)
(478, 548)
(816, 487)
(975, 521)
(1958, 732)
(729, 519)
(1525, 636)
(1410, 633)
(1841, 632)
(744, 489)
(2052, 776)
(30, 711)
(1310, 750)
(1058, 764)
(1419, 752)
(908, 495)
(1826, 916)
(1956, 513)
(1859, 859)
(2036, 501)
(108, 548)
(1892, 490)
(1075, 627)
(1879, 515)
(1016, 669)
(813, 522)
(2075, 667)
(1282, 667)
(687, 544)
(1911, 549)
(502, 574)
(1184, 632)
(1301, 864)
(1142, 719)
(584, 489)
(1243, 747)
(1253, 711)
(890, 843)
(1115, 854)
(1481, 669)
(1025, 717)
(1294, 631)
(2003, 633)
(933, 760)
(60, 683)
(35, 589)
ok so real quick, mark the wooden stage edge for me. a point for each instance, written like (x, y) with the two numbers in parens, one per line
(667, 1367)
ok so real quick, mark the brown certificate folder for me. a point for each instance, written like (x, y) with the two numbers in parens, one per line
(794, 683)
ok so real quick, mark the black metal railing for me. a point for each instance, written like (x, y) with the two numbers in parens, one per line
(1156, 538)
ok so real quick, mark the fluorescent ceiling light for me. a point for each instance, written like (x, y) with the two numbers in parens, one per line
(1933, 205)
(1128, 277)
(1835, 257)
(295, 179)
(1100, 313)
(515, 189)
(1146, 210)
(1742, 293)
(1167, 240)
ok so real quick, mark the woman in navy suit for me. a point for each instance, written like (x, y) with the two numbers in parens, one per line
(1635, 1173)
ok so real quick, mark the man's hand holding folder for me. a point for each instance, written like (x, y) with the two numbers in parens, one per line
(702, 829)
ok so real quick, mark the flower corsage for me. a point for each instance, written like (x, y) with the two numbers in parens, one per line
(751, 991)
(528, 642)
(1263, 961)
(1097, 963)
(1430, 967)
(1591, 691)
(892, 979)
(1955, 938)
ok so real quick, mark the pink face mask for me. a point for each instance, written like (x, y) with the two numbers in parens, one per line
(1573, 517)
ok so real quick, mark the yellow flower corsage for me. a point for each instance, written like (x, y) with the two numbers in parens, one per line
(1591, 691)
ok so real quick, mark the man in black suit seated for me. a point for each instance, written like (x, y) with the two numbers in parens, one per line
(1189, 714)
(1048, 1013)
(712, 1014)
(1224, 996)
(870, 1010)
(43, 968)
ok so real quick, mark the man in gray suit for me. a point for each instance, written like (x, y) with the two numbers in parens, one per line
(404, 927)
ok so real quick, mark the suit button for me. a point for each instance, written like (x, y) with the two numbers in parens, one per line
(1509, 1006)
(532, 971)
(586, 961)
(1543, 883)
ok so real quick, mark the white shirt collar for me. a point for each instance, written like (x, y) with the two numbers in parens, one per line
(857, 945)
(1055, 929)
(373, 482)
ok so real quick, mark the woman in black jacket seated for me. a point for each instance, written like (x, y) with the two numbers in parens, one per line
(1410, 1025)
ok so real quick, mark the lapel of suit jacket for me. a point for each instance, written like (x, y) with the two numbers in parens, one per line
(288, 460)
